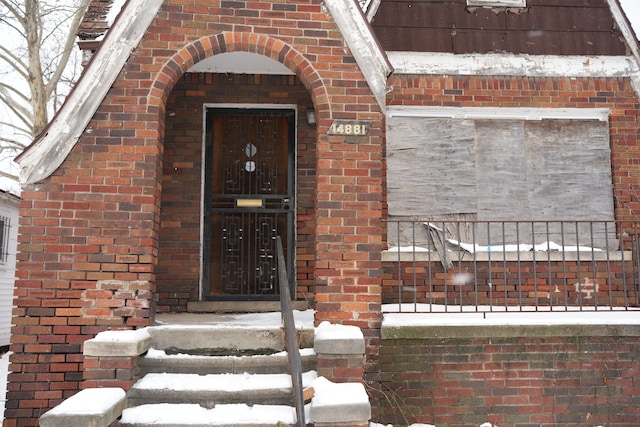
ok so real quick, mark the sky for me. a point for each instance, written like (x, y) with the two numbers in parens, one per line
(632, 9)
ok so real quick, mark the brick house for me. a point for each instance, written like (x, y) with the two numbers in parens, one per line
(201, 129)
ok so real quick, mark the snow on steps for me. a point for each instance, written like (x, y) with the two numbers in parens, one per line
(212, 389)
(158, 361)
(341, 403)
(193, 415)
(216, 375)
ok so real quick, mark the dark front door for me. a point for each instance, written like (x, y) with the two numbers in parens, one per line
(248, 201)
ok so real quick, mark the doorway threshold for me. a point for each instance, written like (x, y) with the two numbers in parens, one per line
(240, 306)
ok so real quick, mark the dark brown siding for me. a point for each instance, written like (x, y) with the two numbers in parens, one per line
(544, 27)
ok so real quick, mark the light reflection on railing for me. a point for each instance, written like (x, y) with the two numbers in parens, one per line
(482, 266)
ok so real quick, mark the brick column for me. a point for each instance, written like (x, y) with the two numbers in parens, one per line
(111, 358)
(340, 352)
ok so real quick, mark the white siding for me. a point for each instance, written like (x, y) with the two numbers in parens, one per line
(8, 209)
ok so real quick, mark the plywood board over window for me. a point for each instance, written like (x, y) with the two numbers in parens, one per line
(499, 169)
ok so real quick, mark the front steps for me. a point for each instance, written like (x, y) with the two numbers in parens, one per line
(218, 370)
(200, 373)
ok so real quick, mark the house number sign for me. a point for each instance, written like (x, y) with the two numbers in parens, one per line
(348, 127)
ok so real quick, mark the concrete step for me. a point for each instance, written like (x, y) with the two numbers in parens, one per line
(158, 361)
(191, 415)
(214, 389)
(226, 334)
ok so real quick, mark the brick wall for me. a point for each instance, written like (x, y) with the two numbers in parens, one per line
(589, 376)
(178, 271)
(98, 217)
(514, 283)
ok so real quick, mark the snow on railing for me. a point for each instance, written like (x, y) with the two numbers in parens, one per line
(480, 266)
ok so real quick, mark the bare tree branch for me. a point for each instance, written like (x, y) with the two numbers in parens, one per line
(68, 47)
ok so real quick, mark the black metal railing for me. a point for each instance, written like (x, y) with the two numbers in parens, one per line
(479, 266)
(291, 336)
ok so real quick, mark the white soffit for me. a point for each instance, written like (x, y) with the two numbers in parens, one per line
(512, 65)
(49, 150)
(500, 113)
(240, 63)
(364, 47)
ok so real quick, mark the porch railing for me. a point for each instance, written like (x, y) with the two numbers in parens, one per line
(291, 336)
(481, 266)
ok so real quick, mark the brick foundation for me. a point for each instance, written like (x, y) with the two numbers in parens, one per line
(580, 376)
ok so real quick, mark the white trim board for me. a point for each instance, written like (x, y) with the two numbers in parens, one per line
(512, 65)
(505, 113)
(49, 150)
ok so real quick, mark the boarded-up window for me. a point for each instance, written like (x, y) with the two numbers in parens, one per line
(499, 169)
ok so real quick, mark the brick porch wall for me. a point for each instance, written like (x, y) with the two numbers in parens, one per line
(549, 282)
(590, 378)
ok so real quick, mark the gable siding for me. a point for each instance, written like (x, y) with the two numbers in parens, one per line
(544, 27)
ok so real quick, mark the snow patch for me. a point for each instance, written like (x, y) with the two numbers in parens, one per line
(220, 382)
(192, 414)
(126, 336)
(328, 393)
(328, 331)
(89, 401)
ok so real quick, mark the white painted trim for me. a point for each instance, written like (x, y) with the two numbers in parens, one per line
(629, 38)
(373, 9)
(370, 57)
(207, 106)
(625, 29)
(49, 150)
(512, 65)
(497, 3)
(500, 113)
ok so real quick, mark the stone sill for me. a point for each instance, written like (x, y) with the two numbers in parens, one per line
(511, 324)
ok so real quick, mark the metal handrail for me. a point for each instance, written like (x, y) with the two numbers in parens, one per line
(291, 337)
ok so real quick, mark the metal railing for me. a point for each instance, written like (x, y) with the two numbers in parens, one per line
(480, 266)
(291, 336)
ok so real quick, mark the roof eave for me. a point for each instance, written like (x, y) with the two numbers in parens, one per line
(50, 149)
(629, 37)
(364, 46)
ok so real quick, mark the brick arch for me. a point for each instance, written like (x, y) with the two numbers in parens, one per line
(225, 42)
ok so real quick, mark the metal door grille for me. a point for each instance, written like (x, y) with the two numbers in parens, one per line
(249, 200)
